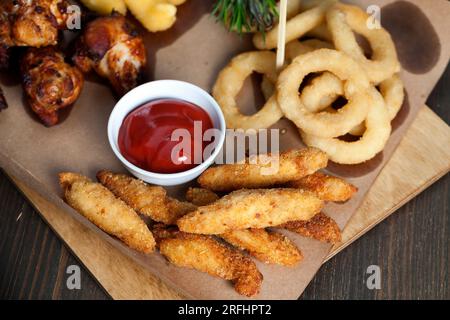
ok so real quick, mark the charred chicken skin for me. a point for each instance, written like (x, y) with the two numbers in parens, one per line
(3, 104)
(114, 49)
(35, 23)
(49, 82)
(5, 39)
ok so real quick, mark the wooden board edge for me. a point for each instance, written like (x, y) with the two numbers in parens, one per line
(163, 291)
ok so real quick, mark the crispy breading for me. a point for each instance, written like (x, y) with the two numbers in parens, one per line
(255, 208)
(110, 214)
(327, 188)
(264, 170)
(206, 254)
(201, 196)
(146, 199)
(320, 227)
(178, 209)
(267, 246)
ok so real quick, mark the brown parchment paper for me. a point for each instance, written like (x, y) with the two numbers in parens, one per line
(195, 50)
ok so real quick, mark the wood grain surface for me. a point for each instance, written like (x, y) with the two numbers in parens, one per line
(411, 247)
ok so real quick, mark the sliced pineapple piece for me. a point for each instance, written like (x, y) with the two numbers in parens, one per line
(155, 15)
(106, 6)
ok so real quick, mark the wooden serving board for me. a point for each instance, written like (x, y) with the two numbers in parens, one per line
(422, 157)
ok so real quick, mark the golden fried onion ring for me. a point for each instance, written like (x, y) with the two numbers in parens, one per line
(324, 124)
(324, 90)
(230, 81)
(378, 130)
(342, 20)
(295, 27)
(393, 93)
(267, 88)
(293, 49)
(296, 48)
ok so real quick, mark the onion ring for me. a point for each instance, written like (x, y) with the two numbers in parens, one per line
(393, 93)
(322, 92)
(324, 124)
(325, 89)
(267, 88)
(293, 49)
(368, 146)
(230, 81)
(295, 27)
(320, 32)
(296, 48)
(342, 20)
(293, 8)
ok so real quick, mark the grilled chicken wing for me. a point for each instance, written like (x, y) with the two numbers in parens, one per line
(3, 104)
(36, 23)
(49, 82)
(113, 48)
(5, 38)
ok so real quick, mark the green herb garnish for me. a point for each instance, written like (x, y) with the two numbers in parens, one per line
(246, 15)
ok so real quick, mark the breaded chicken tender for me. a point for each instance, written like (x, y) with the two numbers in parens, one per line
(267, 246)
(327, 188)
(256, 208)
(260, 172)
(320, 227)
(146, 199)
(206, 254)
(110, 214)
(201, 196)
(178, 209)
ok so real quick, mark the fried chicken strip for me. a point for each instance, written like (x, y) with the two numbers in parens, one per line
(267, 246)
(178, 209)
(326, 187)
(201, 196)
(259, 172)
(110, 214)
(151, 201)
(320, 227)
(206, 254)
(264, 245)
(256, 208)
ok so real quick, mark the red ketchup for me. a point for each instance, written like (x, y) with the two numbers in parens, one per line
(145, 137)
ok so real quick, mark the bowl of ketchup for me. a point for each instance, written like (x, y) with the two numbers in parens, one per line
(166, 132)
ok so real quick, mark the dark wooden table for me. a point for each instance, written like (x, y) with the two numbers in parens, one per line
(411, 248)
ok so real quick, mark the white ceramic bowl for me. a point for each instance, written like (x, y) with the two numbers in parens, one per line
(157, 90)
